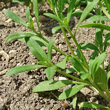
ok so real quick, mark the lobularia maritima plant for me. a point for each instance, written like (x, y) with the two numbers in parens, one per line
(92, 74)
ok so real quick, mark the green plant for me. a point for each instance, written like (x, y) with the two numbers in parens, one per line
(92, 74)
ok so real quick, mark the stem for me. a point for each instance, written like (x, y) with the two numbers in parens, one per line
(68, 43)
(70, 76)
(78, 46)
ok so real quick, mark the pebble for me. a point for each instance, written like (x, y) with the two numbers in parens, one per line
(42, 18)
(8, 21)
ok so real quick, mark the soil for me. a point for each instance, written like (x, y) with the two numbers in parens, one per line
(16, 91)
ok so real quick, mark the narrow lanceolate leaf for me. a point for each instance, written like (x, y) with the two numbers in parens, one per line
(50, 72)
(70, 92)
(62, 64)
(94, 25)
(87, 10)
(15, 17)
(50, 48)
(37, 50)
(21, 0)
(23, 68)
(51, 85)
(74, 102)
(92, 105)
(55, 29)
(70, 9)
(97, 18)
(53, 16)
(36, 10)
(20, 35)
(97, 62)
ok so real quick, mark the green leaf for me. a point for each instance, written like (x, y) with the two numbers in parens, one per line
(79, 12)
(92, 105)
(107, 41)
(100, 78)
(70, 70)
(74, 102)
(29, 19)
(97, 62)
(87, 10)
(70, 92)
(15, 17)
(36, 10)
(23, 68)
(51, 85)
(50, 72)
(70, 9)
(53, 17)
(21, 0)
(62, 64)
(99, 39)
(50, 48)
(108, 75)
(78, 66)
(97, 18)
(97, 25)
(20, 35)
(61, 6)
(37, 50)
(55, 29)
(88, 46)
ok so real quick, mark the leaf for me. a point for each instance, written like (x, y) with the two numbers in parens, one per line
(20, 35)
(97, 18)
(88, 46)
(36, 10)
(70, 70)
(55, 29)
(21, 0)
(23, 68)
(70, 9)
(92, 105)
(87, 10)
(61, 6)
(50, 72)
(107, 41)
(74, 102)
(50, 45)
(70, 92)
(99, 39)
(37, 50)
(53, 17)
(79, 12)
(78, 66)
(51, 85)
(29, 19)
(100, 78)
(108, 75)
(15, 17)
(97, 25)
(97, 62)
(62, 64)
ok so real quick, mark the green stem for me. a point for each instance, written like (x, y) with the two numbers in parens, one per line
(70, 76)
(78, 46)
(67, 41)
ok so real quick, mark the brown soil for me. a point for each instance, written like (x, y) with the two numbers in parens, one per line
(16, 91)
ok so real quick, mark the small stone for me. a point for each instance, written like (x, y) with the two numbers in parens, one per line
(8, 21)
(12, 51)
(42, 18)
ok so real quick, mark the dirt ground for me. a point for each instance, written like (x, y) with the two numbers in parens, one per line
(16, 91)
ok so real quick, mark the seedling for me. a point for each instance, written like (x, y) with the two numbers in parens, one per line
(92, 74)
